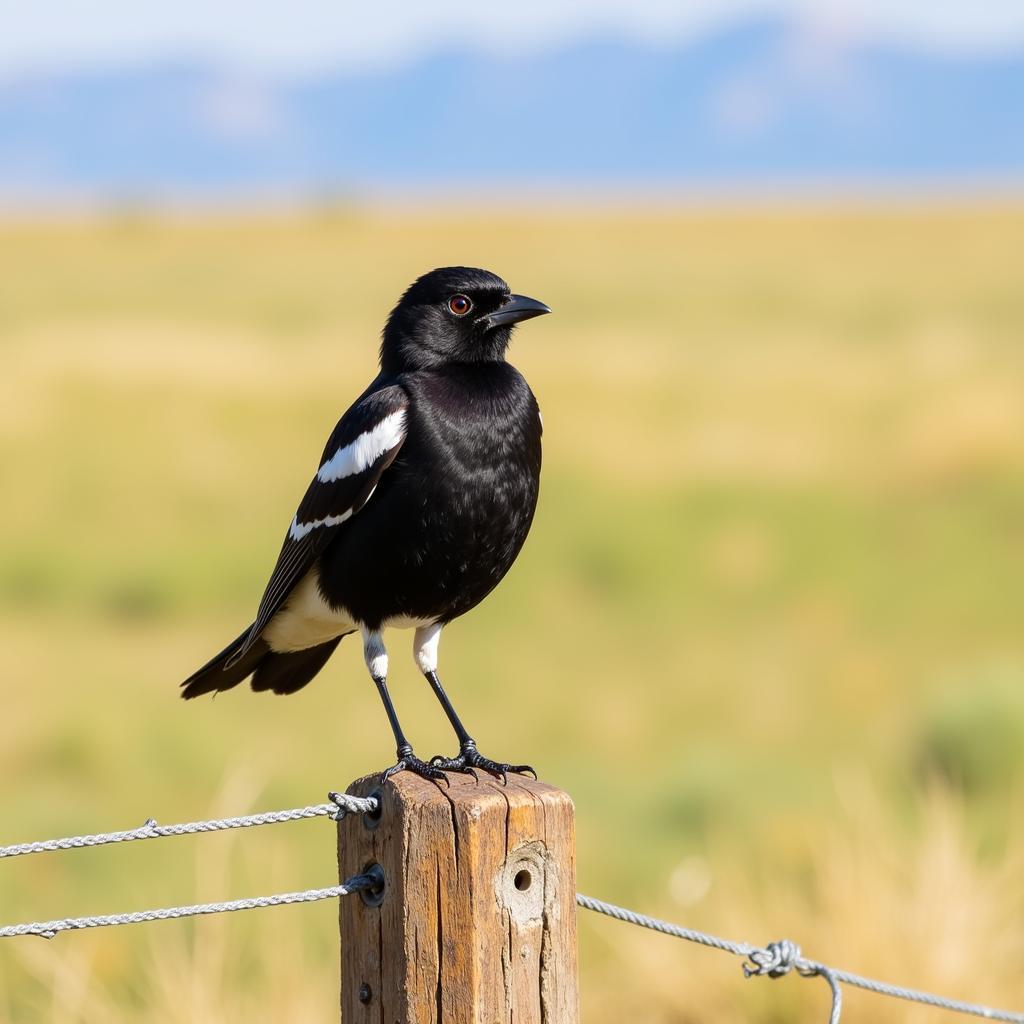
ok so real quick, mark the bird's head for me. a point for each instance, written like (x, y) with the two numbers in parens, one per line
(453, 315)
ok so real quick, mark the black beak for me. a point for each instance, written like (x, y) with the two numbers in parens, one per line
(518, 307)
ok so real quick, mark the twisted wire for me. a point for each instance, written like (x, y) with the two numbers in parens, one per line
(340, 805)
(48, 929)
(778, 958)
(775, 960)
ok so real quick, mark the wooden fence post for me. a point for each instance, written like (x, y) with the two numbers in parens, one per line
(476, 923)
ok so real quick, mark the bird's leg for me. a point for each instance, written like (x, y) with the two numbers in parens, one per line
(407, 760)
(377, 662)
(469, 757)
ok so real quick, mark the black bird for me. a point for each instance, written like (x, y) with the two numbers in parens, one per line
(423, 499)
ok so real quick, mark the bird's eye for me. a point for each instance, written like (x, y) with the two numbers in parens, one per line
(460, 305)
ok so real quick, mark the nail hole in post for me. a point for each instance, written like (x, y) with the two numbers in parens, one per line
(522, 880)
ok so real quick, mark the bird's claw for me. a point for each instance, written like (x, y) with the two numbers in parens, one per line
(470, 758)
(409, 762)
(453, 764)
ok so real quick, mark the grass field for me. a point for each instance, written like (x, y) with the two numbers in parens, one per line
(774, 595)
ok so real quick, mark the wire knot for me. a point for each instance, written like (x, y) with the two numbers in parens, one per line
(775, 960)
(345, 803)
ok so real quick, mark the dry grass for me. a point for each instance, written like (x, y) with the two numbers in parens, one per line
(915, 904)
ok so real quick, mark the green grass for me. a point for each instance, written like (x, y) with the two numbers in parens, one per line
(773, 593)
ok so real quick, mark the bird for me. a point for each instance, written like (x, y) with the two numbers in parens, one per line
(423, 499)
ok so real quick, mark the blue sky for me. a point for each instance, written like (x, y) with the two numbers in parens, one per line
(307, 35)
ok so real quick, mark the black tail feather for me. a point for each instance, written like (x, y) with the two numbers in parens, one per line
(216, 675)
(282, 673)
(286, 673)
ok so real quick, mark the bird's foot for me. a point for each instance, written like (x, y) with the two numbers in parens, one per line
(469, 758)
(409, 762)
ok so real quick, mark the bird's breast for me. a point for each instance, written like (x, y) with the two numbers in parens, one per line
(452, 512)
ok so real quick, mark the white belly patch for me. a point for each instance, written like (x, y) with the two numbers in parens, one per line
(306, 619)
(406, 622)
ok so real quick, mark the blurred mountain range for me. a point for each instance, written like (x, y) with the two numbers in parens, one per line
(762, 102)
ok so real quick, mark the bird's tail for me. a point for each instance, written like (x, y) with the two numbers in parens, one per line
(215, 675)
(282, 673)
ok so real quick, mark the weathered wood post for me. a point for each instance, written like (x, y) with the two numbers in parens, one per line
(476, 923)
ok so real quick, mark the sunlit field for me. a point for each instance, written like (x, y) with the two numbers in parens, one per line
(768, 630)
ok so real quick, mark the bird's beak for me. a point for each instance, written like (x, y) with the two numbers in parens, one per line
(518, 307)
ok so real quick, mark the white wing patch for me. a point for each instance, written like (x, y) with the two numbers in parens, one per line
(354, 458)
(365, 450)
(299, 530)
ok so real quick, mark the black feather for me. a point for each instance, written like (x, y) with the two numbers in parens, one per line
(286, 673)
(223, 671)
(336, 498)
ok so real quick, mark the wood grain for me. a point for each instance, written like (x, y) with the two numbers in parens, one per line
(478, 918)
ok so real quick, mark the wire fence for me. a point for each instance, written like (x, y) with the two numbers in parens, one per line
(774, 960)
(777, 959)
(48, 929)
(340, 805)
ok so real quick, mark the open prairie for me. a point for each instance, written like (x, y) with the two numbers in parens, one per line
(768, 630)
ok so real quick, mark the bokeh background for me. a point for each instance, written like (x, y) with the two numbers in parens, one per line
(768, 627)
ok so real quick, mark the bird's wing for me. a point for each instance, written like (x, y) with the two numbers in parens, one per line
(362, 446)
